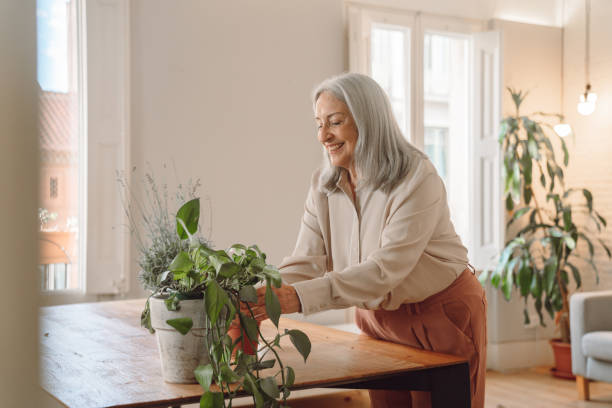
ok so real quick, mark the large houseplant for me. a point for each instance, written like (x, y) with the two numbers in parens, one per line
(551, 220)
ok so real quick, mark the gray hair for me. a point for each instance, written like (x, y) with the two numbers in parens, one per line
(382, 155)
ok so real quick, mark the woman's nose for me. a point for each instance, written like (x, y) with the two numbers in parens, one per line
(323, 134)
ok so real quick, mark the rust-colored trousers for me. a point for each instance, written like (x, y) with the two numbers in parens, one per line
(452, 322)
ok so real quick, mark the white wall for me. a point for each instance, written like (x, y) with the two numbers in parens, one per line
(18, 204)
(222, 90)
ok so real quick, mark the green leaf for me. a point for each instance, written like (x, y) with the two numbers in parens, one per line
(525, 278)
(518, 214)
(589, 244)
(250, 326)
(507, 282)
(567, 218)
(527, 193)
(550, 269)
(251, 387)
(181, 264)
(173, 303)
(228, 269)
(576, 274)
(181, 324)
(188, 217)
(268, 385)
(215, 298)
(145, 317)
(509, 203)
(569, 242)
(273, 275)
(301, 342)
(601, 219)
(204, 375)
(589, 198)
(227, 375)
(264, 364)
(248, 294)
(273, 307)
(605, 247)
(211, 400)
(290, 378)
(536, 284)
(565, 152)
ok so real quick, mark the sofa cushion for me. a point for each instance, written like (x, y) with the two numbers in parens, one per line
(598, 345)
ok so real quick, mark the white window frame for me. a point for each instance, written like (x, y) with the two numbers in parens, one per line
(360, 19)
(103, 77)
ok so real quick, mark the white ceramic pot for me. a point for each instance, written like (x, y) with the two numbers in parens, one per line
(180, 354)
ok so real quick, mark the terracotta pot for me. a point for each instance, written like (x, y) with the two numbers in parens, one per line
(563, 359)
(249, 347)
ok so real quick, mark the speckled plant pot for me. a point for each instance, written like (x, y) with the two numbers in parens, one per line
(180, 354)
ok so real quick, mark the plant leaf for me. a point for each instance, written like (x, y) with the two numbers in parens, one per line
(189, 214)
(248, 294)
(215, 298)
(250, 327)
(273, 307)
(228, 269)
(181, 324)
(228, 375)
(565, 152)
(268, 385)
(589, 198)
(181, 264)
(301, 342)
(173, 303)
(290, 379)
(204, 375)
(575, 273)
(525, 278)
(211, 400)
(251, 387)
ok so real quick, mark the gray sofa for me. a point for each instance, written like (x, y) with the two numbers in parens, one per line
(591, 333)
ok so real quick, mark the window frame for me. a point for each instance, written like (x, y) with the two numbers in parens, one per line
(360, 18)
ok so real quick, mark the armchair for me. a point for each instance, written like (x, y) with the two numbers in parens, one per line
(591, 336)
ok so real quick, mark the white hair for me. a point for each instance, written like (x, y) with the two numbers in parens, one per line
(382, 156)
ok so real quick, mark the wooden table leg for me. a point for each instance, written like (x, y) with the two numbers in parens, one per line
(583, 387)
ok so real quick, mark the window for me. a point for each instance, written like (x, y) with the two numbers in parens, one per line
(441, 75)
(84, 137)
(59, 137)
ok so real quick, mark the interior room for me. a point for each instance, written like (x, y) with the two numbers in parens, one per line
(130, 126)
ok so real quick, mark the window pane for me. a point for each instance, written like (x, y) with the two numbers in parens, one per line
(390, 67)
(59, 144)
(446, 118)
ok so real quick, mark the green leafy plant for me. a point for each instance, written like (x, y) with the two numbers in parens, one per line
(226, 280)
(540, 257)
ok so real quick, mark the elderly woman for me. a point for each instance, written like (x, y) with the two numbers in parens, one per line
(377, 234)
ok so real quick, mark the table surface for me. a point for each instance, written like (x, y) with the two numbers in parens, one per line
(96, 354)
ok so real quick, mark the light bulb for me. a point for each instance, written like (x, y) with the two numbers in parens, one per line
(563, 129)
(586, 106)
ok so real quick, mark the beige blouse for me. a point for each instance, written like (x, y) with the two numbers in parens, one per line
(380, 251)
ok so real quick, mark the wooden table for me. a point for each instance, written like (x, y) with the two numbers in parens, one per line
(96, 354)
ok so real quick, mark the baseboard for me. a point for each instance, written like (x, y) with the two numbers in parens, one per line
(515, 355)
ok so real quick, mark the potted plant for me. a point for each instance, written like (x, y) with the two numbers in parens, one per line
(203, 294)
(541, 253)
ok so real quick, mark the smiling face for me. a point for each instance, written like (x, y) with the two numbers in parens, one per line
(337, 130)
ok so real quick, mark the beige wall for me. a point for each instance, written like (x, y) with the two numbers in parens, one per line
(19, 181)
(591, 150)
(222, 90)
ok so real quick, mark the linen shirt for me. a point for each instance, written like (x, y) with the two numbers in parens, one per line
(378, 251)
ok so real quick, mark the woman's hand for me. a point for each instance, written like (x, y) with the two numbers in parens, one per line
(287, 297)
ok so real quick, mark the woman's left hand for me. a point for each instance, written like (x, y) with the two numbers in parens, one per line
(287, 297)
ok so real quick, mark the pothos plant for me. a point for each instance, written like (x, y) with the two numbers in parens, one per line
(539, 258)
(226, 280)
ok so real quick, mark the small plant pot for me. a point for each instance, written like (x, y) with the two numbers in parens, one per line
(180, 354)
(248, 347)
(563, 359)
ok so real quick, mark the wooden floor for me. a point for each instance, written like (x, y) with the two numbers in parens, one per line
(532, 388)
(536, 388)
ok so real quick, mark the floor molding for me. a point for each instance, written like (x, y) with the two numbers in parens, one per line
(517, 355)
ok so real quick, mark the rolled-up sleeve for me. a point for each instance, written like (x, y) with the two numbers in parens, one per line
(309, 259)
(412, 220)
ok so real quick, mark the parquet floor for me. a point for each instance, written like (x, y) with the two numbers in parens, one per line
(536, 388)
